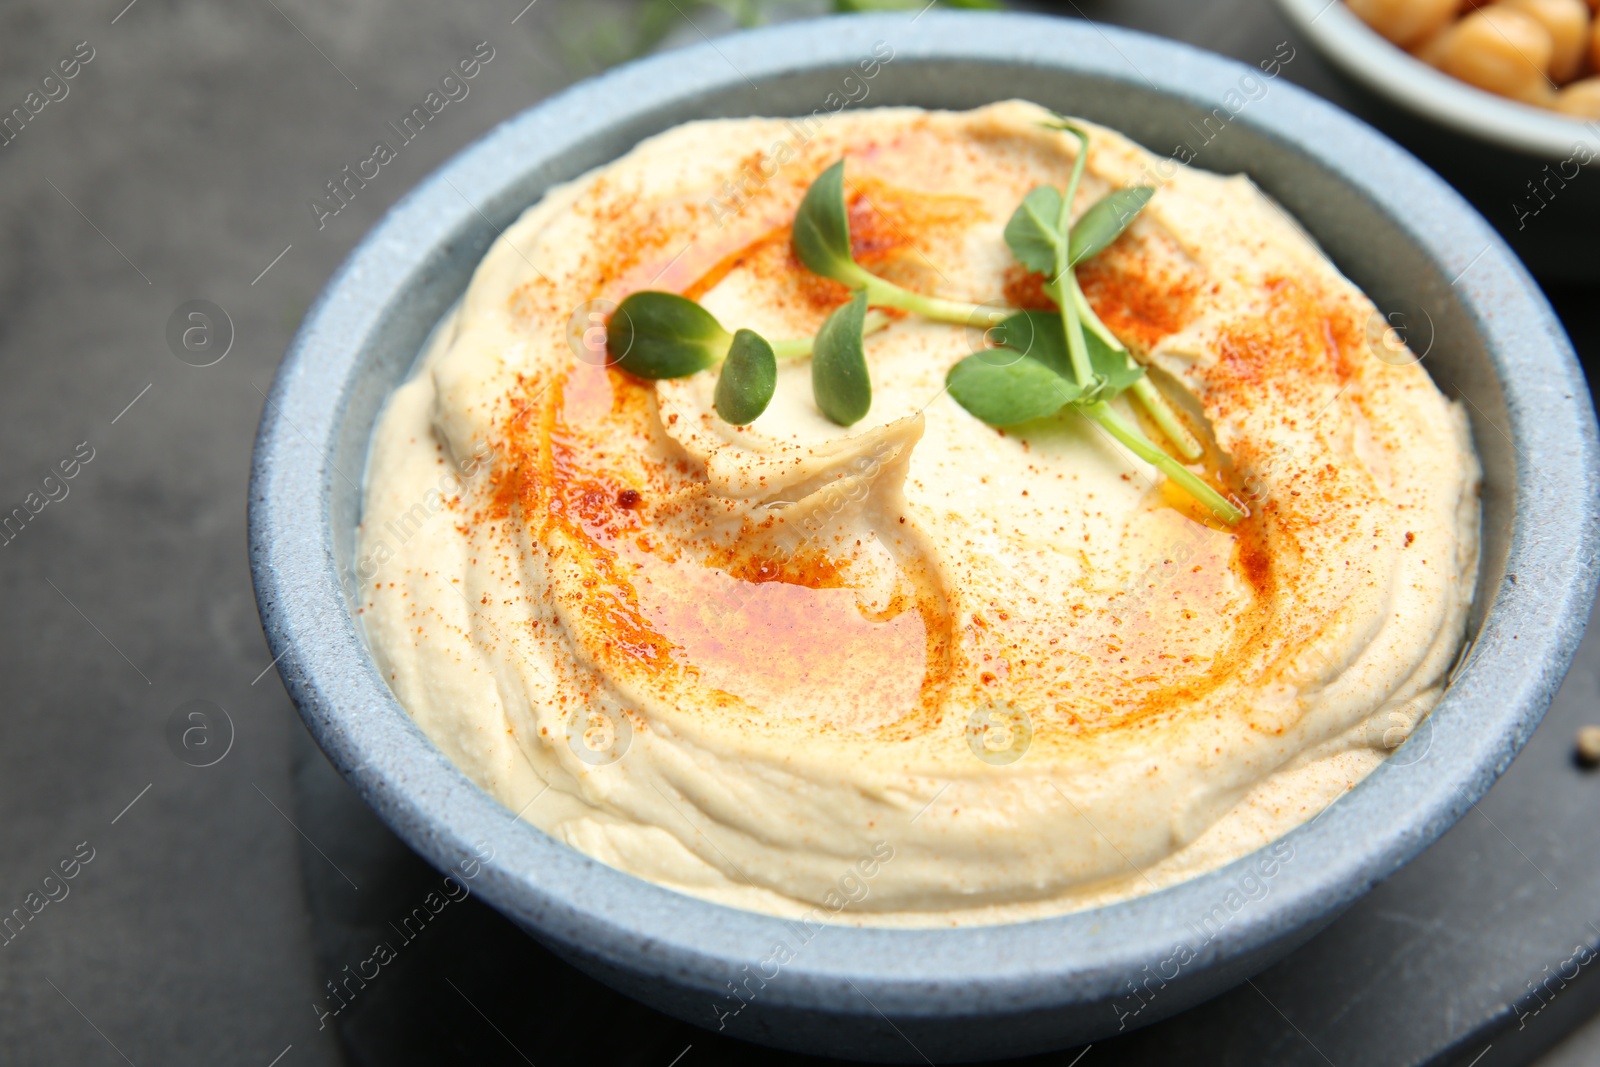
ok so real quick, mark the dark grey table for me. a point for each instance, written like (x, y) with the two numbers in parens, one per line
(208, 905)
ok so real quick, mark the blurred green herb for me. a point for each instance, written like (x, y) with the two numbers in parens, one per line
(593, 37)
(849, 6)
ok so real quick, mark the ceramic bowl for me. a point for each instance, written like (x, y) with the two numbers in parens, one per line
(947, 994)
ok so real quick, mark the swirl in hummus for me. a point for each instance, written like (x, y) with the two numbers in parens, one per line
(736, 660)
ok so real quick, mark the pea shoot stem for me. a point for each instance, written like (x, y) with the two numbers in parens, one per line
(1075, 312)
(800, 347)
(1144, 390)
(1145, 449)
(884, 293)
(961, 313)
(1077, 349)
(796, 349)
(1065, 280)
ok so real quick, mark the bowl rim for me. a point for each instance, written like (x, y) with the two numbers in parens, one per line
(1506, 679)
(1392, 72)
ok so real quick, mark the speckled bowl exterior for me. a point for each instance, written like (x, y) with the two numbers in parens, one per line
(948, 994)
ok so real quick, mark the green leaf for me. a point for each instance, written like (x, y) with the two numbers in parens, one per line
(1114, 368)
(822, 229)
(1003, 388)
(1031, 232)
(663, 335)
(846, 7)
(839, 378)
(1105, 220)
(1039, 335)
(748, 378)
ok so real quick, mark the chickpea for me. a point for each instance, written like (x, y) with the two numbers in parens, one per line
(1405, 22)
(1567, 22)
(1504, 51)
(1431, 49)
(1580, 99)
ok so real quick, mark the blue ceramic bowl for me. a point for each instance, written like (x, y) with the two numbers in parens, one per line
(906, 995)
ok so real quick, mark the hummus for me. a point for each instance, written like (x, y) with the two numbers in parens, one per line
(981, 674)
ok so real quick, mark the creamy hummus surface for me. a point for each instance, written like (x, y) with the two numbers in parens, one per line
(972, 675)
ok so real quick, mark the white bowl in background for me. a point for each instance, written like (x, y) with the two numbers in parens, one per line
(1391, 72)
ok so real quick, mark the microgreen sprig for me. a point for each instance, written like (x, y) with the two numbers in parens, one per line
(657, 335)
(822, 243)
(1044, 239)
